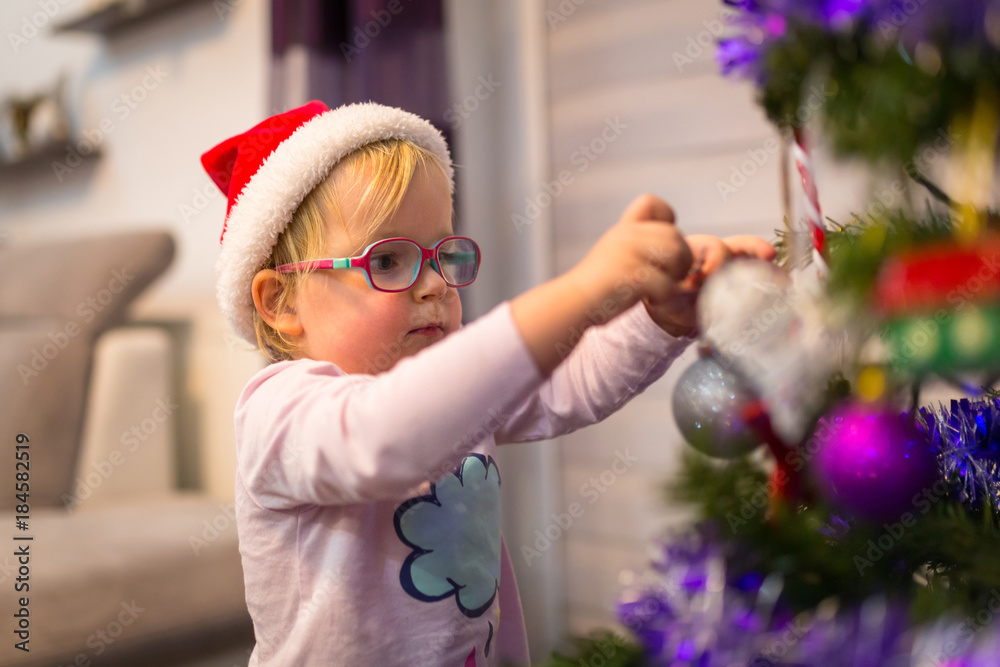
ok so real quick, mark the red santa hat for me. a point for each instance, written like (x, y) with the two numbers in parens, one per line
(267, 171)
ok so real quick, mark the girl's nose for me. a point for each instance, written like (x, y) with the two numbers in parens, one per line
(430, 284)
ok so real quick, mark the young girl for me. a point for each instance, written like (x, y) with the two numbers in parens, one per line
(367, 490)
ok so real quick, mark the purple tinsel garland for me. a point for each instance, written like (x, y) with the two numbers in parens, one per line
(966, 439)
(968, 23)
(687, 612)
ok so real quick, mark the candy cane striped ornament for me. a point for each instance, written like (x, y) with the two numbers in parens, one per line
(810, 199)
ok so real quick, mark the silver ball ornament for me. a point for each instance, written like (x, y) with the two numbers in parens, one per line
(708, 405)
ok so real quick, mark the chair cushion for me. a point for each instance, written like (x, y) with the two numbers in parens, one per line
(156, 568)
(129, 447)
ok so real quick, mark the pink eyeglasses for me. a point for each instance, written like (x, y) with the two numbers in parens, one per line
(393, 265)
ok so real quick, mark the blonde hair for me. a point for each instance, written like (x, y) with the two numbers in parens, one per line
(389, 166)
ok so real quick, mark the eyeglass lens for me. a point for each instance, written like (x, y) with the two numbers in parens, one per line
(394, 264)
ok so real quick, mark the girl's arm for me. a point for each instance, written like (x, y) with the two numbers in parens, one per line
(611, 364)
(614, 362)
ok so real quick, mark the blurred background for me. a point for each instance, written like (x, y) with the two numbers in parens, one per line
(121, 373)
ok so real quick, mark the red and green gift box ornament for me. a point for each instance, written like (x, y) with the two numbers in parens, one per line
(941, 306)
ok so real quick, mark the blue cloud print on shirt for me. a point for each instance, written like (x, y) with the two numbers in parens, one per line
(455, 535)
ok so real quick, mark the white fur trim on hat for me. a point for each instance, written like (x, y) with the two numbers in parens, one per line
(301, 162)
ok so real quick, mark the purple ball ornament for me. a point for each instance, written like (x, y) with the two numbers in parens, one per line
(871, 462)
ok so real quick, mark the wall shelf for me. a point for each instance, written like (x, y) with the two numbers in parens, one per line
(41, 158)
(119, 14)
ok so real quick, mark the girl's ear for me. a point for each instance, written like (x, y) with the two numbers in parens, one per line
(267, 287)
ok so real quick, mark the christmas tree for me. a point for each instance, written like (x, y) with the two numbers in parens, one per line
(840, 520)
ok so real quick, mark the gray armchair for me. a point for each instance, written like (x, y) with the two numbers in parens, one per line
(123, 567)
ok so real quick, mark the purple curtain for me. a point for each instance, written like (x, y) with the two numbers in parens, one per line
(386, 51)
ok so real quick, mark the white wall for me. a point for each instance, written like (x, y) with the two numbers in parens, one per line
(213, 64)
(675, 131)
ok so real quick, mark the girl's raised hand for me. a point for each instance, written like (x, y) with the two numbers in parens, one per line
(678, 315)
(642, 256)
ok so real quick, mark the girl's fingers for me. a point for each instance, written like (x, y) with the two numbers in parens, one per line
(716, 254)
(666, 249)
(664, 291)
(648, 207)
(709, 252)
(750, 246)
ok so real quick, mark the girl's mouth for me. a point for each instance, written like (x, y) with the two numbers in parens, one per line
(429, 330)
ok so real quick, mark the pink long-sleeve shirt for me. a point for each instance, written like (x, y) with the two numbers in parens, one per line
(368, 507)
